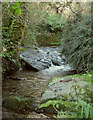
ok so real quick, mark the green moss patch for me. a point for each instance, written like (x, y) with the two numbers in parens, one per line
(19, 104)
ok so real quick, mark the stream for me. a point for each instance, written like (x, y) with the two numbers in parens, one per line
(30, 85)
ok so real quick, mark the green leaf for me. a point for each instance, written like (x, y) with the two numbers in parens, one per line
(57, 105)
(17, 4)
(50, 102)
(87, 109)
(82, 110)
(18, 11)
(91, 112)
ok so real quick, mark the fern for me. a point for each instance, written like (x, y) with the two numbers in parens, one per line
(84, 108)
(51, 102)
(80, 109)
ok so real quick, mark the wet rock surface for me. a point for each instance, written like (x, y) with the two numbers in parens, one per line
(41, 58)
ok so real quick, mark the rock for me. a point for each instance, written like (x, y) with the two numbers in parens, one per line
(19, 104)
(63, 58)
(36, 115)
(40, 58)
(16, 78)
(57, 62)
(34, 61)
(12, 114)
(65, 88)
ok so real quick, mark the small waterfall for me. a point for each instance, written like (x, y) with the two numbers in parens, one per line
(46, 59)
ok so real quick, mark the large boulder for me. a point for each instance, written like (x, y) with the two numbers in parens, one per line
(41, 58)
(66, 89)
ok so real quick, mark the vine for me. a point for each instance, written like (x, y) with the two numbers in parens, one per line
(12, 34)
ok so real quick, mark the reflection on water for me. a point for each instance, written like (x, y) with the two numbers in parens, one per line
(47, 40)
(33, 83)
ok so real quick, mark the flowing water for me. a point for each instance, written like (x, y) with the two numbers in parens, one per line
(31, 84)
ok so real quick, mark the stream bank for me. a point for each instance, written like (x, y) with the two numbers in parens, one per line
(29, 85)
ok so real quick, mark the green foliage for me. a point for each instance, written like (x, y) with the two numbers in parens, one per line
(55, 23)
(47, 52)
(86, 77)
(81, 107)
(18, 104)
(77, 43)
(67, 108)
(56, 43)
(34, 19)
(15, 9)
(81, 91)
(51, 102)
(12, 34)
(84, 109)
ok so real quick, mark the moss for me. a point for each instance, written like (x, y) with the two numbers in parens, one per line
(86, 77)
(47, 52)
(19, 104)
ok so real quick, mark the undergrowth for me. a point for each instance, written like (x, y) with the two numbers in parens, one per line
(78, 108)
(77, 43)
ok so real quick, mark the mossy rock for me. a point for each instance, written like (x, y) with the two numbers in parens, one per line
(19, 104)
(71, 90)
(68, 88)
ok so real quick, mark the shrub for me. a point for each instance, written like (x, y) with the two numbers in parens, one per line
(12, 35)
(55, 23)
(77, 43)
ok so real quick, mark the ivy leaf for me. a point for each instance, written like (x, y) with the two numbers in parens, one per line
(17, 4)
(18, 11)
